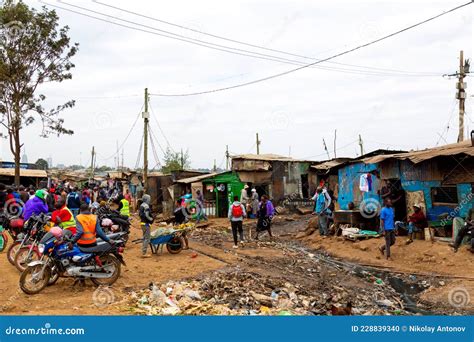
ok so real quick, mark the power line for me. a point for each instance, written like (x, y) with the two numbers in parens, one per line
(320, 61)
(126, 138)
(245, 43)
(153, 147)
(338, 149)
(223, 48)
(137, 164)
(159, 127)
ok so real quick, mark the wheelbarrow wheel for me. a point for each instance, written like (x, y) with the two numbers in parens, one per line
(175, 245)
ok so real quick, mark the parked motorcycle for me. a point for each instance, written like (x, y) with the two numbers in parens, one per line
(30, 252)
(100, 263)
(113, 222)
(27, 235)
(9, 226)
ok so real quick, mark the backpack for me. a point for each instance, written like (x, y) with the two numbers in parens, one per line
(237, 211)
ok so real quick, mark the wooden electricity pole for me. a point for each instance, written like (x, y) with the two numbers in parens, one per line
(227, 157)
(92, 162)
(361, 144)
(326, 148)
(335, 137)
(258, 145)
(461, 93)
(146, 116)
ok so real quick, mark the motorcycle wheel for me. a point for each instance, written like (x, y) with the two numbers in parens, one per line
(175, 245)
(112, 262)
(11, 252)
(24, 256)
(4, 242)
(31, 282)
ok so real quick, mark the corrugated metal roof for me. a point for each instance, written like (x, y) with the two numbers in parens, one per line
(330, 164)
(415, 157)
(265, 157)
(24, 173)
(196, 179)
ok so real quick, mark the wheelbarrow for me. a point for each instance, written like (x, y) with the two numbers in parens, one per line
(174, 242)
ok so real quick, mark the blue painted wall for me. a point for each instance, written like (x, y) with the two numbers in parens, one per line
(349, 178)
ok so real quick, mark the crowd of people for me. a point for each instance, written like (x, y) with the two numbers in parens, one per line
(73, 210)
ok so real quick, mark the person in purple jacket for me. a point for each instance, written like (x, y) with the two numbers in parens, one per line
(265, 213)
(36, 205)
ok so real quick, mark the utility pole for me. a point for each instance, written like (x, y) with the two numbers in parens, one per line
(182, 160)
(461, 92)
(335, 137)
(215, 166)
(146, 117)
(326, 148)
(117, 158)
(258, 145)
(361, 144)
(92, 163)
(227, 157)
(122, 160)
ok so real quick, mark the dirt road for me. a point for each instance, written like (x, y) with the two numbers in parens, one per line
(321, 272)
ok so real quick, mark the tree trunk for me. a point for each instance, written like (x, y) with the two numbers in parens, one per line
(16, 137)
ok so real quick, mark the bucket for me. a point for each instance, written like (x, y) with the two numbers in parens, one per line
(427, 234)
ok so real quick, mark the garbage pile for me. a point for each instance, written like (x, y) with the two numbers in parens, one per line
(238, 292)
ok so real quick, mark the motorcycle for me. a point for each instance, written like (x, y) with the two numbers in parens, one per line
(101, 263)
(34, 225)
(9, 226)
(113, 222)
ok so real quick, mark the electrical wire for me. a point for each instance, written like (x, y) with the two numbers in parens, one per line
(153, 148)
(337, 149)
(159, 127)
(224, 48)
(137, 164)
(320, 61)
(441, 136)
(126, 138)
(248, 44)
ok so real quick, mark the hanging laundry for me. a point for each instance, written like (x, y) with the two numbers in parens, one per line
(363, 184)
(369, 181)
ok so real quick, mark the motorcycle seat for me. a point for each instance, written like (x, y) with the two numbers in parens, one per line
(115, 236)
(101, 246)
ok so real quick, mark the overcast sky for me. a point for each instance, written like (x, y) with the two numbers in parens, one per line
(115, 64)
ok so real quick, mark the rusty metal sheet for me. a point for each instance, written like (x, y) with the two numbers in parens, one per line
(262, 177)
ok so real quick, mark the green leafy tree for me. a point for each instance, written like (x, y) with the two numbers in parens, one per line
(175, 161)
(33, 50)
(42, 164)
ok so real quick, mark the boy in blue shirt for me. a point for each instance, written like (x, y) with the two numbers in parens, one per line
(387, 225)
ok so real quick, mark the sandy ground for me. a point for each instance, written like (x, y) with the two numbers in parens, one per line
(63, 299)
(419, 257)
(211, 250)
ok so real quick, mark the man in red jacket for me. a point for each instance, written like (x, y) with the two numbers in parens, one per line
(63, 217)
(416, 222)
